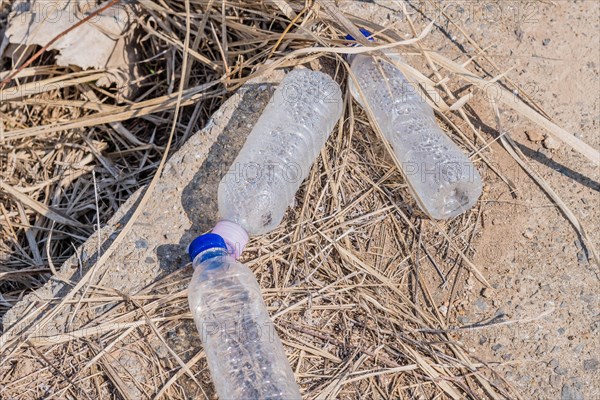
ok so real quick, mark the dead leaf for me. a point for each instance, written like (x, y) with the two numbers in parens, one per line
(103, 43)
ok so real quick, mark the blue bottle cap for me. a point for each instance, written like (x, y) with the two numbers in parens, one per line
(205, 242)
(365, 33)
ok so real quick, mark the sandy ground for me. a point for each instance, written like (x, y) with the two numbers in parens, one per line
(527, 249)
(529, 252)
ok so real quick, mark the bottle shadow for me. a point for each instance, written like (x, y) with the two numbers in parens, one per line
(560, 168)
(543, 159)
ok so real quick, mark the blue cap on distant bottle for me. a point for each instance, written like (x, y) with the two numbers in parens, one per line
(365, 33)
(205, 242)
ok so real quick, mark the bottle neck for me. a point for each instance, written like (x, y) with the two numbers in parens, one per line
(208, 254)
(234, 235)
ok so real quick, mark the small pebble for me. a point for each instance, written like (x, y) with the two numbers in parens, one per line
(528, 233)
(589, 298)
(591, 364)
(560, 370)
(581, 257)
(551, 144)
(443, 310)
(570, 393)
(546, 42)
(534, 136)
(487, 292)
(481, 304)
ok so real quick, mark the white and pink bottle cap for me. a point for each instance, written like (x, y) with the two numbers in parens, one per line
(234, 236)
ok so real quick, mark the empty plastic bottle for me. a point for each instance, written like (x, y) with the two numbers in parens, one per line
(245, 356)
(441, 176)
(280, 151)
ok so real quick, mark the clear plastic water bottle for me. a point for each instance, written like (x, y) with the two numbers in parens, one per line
(245, 356)
(441, 176)
(279, 151)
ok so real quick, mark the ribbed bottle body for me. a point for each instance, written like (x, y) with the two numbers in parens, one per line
(245, 356)
(280, 150)
(442, 178)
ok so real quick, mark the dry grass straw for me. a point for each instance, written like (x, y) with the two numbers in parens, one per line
(353, 277)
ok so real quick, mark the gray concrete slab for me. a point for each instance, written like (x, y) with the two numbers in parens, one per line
(182, 206)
